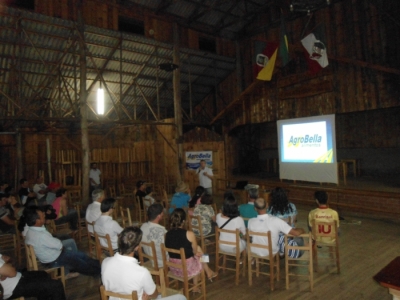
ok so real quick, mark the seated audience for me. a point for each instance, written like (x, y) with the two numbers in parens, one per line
(181, 197)
(25, 194)
(52, 251)
(52, 189)
(64, 214)
(178, 237)
(247, 210)
(323, 214)
(93, 211)
(153, 231)
(106, 225)
(230, 219)
(7, 220)
(281, 208)
(122, 273)
(198, 192)
(207, 216)
(144, 193)
(264, 223)
(28, 284)
(40, 190)
(5, 188)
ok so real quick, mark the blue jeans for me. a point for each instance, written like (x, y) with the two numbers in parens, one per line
(72, 259)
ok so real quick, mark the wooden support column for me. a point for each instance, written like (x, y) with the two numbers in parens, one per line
(83, 108)
(176, 82)
(20, 169)
(239, 74)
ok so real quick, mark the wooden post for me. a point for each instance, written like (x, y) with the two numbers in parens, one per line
(83, 109)
(48, 153)
(20, 170)
(176, 82)
(239, 74)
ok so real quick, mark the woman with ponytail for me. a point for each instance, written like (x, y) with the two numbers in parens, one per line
(178, 237)
(196, 199)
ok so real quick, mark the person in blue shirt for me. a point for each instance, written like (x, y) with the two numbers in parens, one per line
(247, 210)
(181, 197)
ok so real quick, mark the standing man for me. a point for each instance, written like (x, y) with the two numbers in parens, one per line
(205, 177)
(94, 178)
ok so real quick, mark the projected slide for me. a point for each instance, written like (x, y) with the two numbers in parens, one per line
(307, 149)
(307, 142)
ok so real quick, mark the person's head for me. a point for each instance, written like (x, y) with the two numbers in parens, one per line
(4, 199)
(93, 166)
(155, 212)
(230, 207)
(182, 187)
(206, 199)
(24, 182)
(321, 197)
(198, 192)
(261, 205)
(177, 218)
(107, 205)
(129, 240)
(98, 195)
(202, 164)
(39, 179)
(3, 186)
(141, 185)
(253, 194)
(61, 192)
(34, 216)
(228, 193)
(279, 202)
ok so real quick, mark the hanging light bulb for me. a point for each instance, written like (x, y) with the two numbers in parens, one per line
(308, 13)
(291, 7)
(328, 2)
(100, 101)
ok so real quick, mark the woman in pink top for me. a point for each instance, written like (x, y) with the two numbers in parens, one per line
(64, 214)
(198, 192)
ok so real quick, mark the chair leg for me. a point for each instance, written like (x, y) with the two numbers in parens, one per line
(237, 270)
(257, 267)
(249, 268)
(271, 274)
(278, 269)
(224, 262)
(287, 271)
(244, 253)
(315, 256)
(337, 259)
(203, 284)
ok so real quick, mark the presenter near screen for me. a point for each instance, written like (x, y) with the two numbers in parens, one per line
(205, 176)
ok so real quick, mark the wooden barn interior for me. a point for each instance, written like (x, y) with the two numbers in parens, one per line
(178, 76)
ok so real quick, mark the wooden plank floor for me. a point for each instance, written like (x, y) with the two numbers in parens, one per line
(365, 249)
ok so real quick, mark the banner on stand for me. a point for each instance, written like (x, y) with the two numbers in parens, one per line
(193, 159)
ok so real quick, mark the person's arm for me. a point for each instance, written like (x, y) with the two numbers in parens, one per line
(296, 231)
(192, 238)
(7, 270)
(149, 287)
(63, 207)
(6, 219)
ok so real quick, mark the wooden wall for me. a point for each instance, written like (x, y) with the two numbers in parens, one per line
(105, 14)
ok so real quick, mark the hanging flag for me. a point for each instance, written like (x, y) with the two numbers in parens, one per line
(264, 59)
(315, 50)
(283, 43)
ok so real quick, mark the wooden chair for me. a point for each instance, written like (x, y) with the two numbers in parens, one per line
(111, 192)
(205, 240)
(32, 265)
(91, 240)
(140, 210)
(105, 294)
(271, 260)
(100, 249)
(297, 262)
(225, 254)
(187, 287)
(323, 233)
(60, 229)
(124, 192)
(125, 220)
(151, 264)
(81, 221)
(8, 242)
(20, 244)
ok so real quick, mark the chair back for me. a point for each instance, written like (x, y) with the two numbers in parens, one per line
(251, 245)
(31, 262)
(100, 248)
(220, 242)
(91, 239)
(111, 191)
(168, 264)
(74, 196)
(126, 220)
(325, 232)
(152, 258)
(105, 294)
(141, 209)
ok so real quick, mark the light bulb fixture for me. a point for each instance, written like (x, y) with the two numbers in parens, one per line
(100, 101)
(291, 7)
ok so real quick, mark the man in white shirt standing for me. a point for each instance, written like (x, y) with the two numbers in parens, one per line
(40, 190)
(205, 177)
(264, 223)
(122, 272)
(106, 225)
(94, 177)
(153, 231)
(93, 211)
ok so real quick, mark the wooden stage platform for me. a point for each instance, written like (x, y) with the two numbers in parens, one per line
(361, 196)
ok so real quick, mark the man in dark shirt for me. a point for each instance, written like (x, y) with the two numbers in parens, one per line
(25, 194)
(7, 222)
(141, 191)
